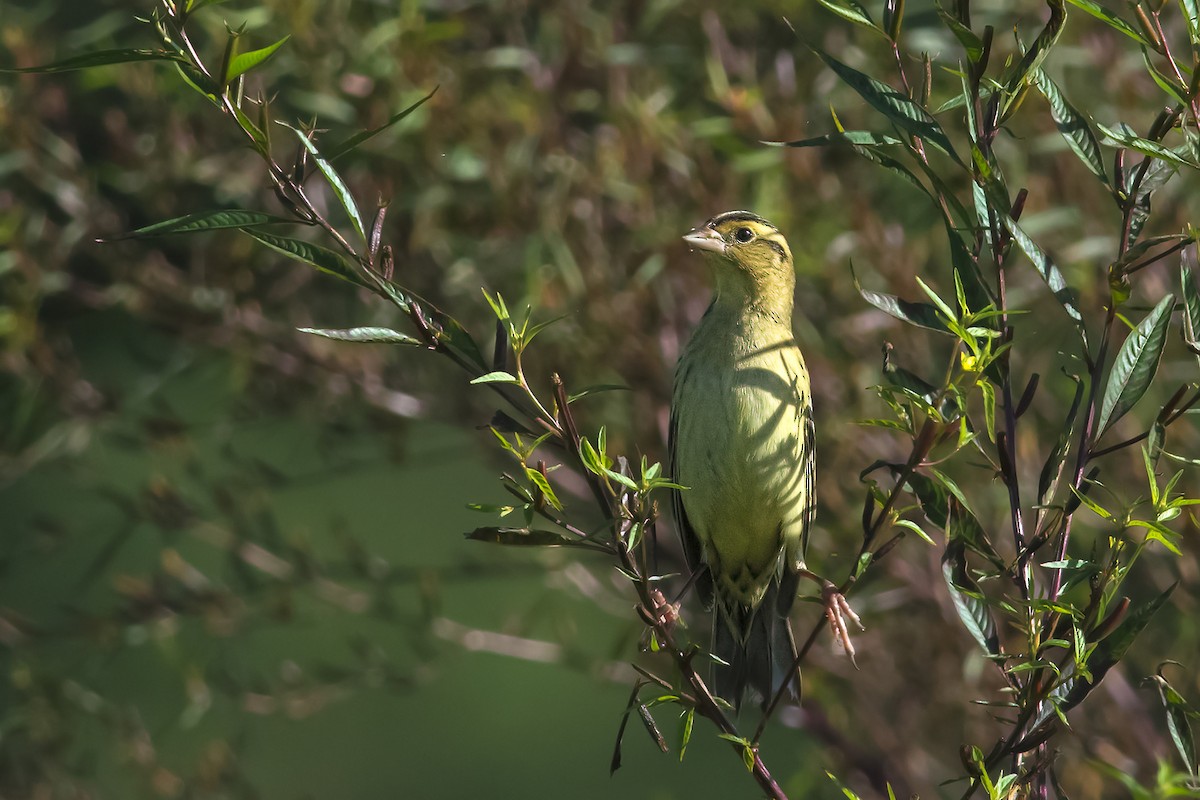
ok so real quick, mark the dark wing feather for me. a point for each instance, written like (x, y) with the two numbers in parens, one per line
(692, 549)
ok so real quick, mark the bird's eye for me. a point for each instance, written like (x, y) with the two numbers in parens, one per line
(743, 235)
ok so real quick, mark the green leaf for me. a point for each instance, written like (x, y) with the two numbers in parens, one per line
(335, 181)
(204, 221)
(497, 377)
(1167, 84)
(539, 480)
(971, 43)
(923, 315)
(969, 601)
(861, 138)
(364, 335)
(524, 537)
(1124, 136)
(1156, 177)
(323, 259)
(100, 58)
(1032, 59)
(1191, 312)
(597, 389)
(943, 508)
(1178, 724)
(239, 65)
(1052, 469)
(1191, 13)
(1047, 269)
(896, 106)
(1072, 688)
(1135, 365)
(340, 149)
(1074, 127)
(852, 11)
(686, 721)
(1109, 18)
(1133, 254)
(989, 408)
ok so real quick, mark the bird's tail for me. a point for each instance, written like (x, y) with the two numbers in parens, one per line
(756, 645)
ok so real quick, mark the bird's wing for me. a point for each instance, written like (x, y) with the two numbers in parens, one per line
(810, 477)
(692, 549)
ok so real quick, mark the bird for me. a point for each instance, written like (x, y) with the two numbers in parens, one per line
(742, 441)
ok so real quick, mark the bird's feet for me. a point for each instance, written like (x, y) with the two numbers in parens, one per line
(836, 611)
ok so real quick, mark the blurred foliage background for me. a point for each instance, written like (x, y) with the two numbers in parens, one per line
(232, 563)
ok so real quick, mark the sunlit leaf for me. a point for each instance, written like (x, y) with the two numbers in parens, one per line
(842, 137)
(923, 315)
(1072, 689)
(497, 377)
(1073, 125)
(204, 221)
(852, 11)
(335, 181)
(971, 43)
(1135, 365)
(239, 65)
(1178, 724)
(323, 259)
(1191, 310)
(364, 335)
(1125, 136)
(969, 602)
(1109, 18)
(896, 106)
(1050, 273)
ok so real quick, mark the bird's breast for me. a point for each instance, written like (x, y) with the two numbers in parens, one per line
(742, 409)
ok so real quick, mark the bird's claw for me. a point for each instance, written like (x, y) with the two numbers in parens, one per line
(836, 611)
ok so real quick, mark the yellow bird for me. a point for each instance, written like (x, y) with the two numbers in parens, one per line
(742, 440)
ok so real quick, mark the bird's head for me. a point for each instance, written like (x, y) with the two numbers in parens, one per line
(750, 258)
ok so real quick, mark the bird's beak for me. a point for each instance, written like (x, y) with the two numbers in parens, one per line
(705, 239)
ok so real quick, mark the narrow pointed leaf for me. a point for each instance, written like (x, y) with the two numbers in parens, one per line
(1135, 365)
(525, 537)
(1052, 469)
(1124, 136)
(1109, 18)
(204, 221)
(1072, 689)
(1191, 312)
(1074, 127)
(1048, 270)
(841, 137)
(100, 58)
(496, 377)
(239, 65)
(896, 106)
(968, 600)
(335, 182)
(340, 149)
(852, 11)
(1031, 61)
(971, 43)
(322, 258)
(944, 509)
(924, 315)
(1178, 724)
(365, 335)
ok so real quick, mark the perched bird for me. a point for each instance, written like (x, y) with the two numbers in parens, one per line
(742, 440)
